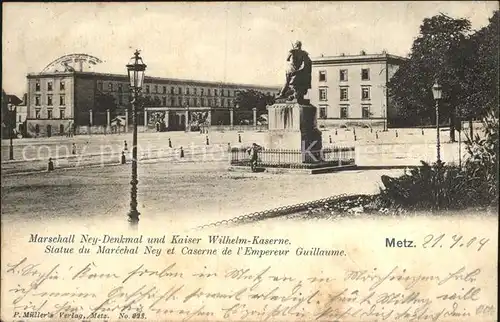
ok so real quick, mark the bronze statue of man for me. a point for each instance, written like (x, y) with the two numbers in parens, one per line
(298, 75)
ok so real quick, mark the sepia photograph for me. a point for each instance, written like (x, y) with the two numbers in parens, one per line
(250, 161)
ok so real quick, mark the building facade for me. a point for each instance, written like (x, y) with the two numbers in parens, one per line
(9, 118)
(59, 102)
(21, 116)
(353, 89)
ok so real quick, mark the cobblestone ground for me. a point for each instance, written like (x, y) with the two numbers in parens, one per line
(407, 148)
(192, 192)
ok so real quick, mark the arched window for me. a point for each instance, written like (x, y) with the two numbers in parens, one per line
(61, 129)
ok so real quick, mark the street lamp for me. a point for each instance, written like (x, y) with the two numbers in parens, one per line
(385, 118)
(135, 69)
(437, 92)
(187, 124)
(12, 120)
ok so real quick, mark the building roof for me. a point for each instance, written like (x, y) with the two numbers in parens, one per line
(150, 79)
(362, 58)
(13, 99)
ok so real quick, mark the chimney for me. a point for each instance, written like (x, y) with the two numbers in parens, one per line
(363, 52)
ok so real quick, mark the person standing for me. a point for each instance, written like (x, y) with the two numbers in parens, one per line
(254, 155)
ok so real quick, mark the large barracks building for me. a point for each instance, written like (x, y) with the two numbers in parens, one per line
(63, 98)
(353, 88)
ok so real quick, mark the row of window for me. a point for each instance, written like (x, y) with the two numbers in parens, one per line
(178, 101)
(50, 100)
(181, 102)
(50, 86)
(344, 93)
(344, 112)
(343, 75)
(155, 89)
(50, 115)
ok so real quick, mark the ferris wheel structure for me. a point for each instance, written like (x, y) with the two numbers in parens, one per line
(72, 63)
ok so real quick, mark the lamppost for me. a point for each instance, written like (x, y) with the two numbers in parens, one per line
(385, 118)
(12, 120)
(135, 69)
(237, 107)
(437, 92)
(187, 127)
(460, 144)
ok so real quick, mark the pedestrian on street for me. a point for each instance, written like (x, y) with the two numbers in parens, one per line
(253, 151)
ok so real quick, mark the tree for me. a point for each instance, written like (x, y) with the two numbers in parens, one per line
(480, 95)
(5, 114)
(433, 57)
(148, 101)
(249, 98)
(103, 102)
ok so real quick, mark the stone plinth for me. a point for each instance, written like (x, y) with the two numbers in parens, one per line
(292, 125)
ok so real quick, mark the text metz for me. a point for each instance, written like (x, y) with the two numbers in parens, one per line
(392, 242)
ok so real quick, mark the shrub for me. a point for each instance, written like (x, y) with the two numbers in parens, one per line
(441, 186)
(482, 162)
(436, 186)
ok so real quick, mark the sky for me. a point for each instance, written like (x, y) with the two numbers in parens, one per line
(241, 42)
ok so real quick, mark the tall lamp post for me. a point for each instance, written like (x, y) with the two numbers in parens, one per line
(237, 108)
(135, 69)
(187, 126)
(460, 145)
(12, 120)
(437, 92)
(385, 118)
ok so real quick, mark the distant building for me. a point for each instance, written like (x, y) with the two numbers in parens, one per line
(9, 118)
(353, 88)
(21, 116)
(5, 115)
(59, 101)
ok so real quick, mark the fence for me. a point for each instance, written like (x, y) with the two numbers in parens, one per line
(284, 158)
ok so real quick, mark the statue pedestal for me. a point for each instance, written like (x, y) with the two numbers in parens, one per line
(292, 126)
(294, 142)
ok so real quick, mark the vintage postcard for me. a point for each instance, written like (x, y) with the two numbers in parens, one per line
(250, 161)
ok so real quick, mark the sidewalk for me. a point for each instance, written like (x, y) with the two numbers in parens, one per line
(396, 156)
(215, 152)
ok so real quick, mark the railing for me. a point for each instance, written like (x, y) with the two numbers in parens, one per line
(284, 158)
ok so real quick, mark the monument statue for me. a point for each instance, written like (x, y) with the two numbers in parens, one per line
(298, 75)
